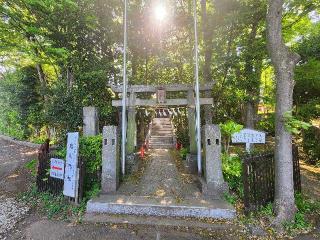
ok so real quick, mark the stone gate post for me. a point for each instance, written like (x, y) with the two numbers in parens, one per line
(212, 165)
(110, 159)
(90, 121)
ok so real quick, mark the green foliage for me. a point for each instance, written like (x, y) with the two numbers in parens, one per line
(266, 210)
(230, 127)
(180, 124)
(232, 172)
(55, 207)
(301, 222)
(267, 124)
(232, 199)
(32, 166)
(90, 151)
(227, 129)
(311, 146)
(309, 111)
(183, 153)
(294, 125)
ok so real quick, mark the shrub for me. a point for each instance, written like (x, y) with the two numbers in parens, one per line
(311, 146)
(301, 221)
(183, 153)
(90, 150)
(267, 124)
(91, 153)
(227, 129)
(232, 172)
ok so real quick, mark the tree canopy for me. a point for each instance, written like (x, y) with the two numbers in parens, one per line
(58, 56)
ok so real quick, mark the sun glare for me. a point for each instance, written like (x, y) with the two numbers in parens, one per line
(160, 12)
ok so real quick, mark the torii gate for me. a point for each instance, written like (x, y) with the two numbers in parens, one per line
(125, 90)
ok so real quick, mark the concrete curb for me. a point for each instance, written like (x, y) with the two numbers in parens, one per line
(21, 143)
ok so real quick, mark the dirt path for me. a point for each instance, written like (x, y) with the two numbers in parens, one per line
(161, 176)
(310, 180)
(19, 223)
(12, 156)
(14, 179)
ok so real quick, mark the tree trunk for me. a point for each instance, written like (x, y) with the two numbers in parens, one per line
(284, 63)
(207, 39)
(252, 75)
(250, 114)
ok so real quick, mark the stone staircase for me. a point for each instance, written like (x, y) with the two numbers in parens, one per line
(161, 134)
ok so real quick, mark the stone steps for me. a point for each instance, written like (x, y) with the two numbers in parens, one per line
(161, 207)
(161, 134)
(169, 141)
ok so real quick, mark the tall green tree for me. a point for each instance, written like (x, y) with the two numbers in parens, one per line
(284, 62)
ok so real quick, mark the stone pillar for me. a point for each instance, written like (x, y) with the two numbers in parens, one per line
(212, 164)
(131, 127)
(110, 159)
(90, 121)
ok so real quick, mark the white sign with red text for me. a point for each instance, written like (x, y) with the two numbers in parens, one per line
(57, 168)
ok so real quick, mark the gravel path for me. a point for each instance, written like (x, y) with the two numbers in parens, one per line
(12, 156)
(10, 213)
(161, 176)
(12, 182)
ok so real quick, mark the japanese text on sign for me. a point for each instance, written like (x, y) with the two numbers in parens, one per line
(71, 171)
(57, 168)
(249, 136)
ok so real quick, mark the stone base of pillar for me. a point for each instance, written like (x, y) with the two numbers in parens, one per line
(191, 164)
(110, 160)
(214, 190)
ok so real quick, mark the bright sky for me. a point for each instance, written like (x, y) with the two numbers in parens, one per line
(314, 16)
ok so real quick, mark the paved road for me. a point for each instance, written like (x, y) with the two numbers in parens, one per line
(12, 156)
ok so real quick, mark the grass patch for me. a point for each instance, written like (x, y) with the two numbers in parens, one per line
(304, 219)
(54, 207)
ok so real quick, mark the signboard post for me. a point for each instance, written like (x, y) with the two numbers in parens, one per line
(71, 178)
(249, 137)
(57, 168)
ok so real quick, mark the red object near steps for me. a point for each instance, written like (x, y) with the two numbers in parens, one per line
(142, 152)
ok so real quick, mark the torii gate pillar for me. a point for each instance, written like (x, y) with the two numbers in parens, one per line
(192, 122)
(132, 126)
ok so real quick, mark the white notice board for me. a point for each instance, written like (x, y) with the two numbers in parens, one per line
(249, 136)
(71, 178)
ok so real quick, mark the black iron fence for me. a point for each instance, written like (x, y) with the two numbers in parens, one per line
(45, 183)
(259, 178)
